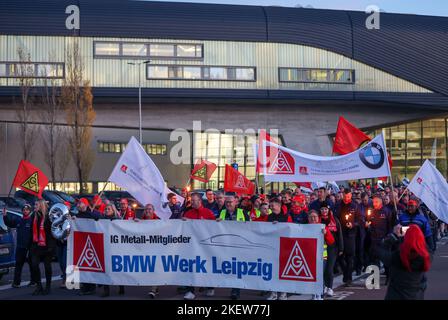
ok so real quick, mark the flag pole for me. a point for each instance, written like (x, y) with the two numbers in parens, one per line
(390, 176)
(99, 196)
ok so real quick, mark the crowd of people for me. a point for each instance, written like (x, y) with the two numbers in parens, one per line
(363, 226)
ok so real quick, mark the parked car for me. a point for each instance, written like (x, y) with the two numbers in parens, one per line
(15, 204)
(7, 246)
(66, 197)
(50, 196)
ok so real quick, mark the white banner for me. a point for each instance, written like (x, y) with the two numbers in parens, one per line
(286, 165)
(430, 186)
(281, 257)
(136, 173)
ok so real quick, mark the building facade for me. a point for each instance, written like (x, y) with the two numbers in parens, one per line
(233, 69)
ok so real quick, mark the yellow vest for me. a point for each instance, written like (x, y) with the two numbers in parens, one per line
(239, 214)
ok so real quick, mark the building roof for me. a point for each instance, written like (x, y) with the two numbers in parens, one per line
(412, 47)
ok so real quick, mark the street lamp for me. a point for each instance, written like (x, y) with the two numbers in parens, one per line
(139, 93)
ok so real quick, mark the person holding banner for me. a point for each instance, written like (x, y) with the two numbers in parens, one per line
(125, 211)
(110, 213)
(176, 210)
(233, 213)
(43, 247)
(198, 212)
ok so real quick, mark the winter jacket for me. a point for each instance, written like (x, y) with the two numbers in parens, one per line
(403, 285)
(24, 229)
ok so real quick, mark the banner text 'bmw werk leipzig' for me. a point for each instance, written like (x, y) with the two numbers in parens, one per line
(286, 165)
(258, 255)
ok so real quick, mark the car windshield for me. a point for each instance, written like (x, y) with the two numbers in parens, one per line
(52, 197)
(66, 197)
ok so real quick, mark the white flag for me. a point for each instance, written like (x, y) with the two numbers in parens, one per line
(430, 186)
(286, 165)
(136, 173)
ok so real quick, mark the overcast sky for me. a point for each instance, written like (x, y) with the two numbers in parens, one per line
(428, 7)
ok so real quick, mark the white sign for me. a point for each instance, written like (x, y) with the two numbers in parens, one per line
(286, 165)
(430, 186)
(282, 257)
(136, 173)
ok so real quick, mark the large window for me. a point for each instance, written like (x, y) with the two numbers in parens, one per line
(31, 70)
(119, 49)
(213, 73)
(118, 147)
(316, 75)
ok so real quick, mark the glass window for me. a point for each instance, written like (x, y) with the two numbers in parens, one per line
(434, 143)
(2, 70)
(134, 49)
(22, 70)
(161, 50)
(163, 149)
(107, 48)
(186, 50)
(158, 72)
(341, 76)
(316, 75)
(106, 147)
(245, 74)
(192, 72)
(174, 72)
(117, 147)
(218, 73)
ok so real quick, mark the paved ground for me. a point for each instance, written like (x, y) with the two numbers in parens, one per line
(437, 284)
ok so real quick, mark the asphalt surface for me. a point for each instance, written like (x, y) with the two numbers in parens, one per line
(437, 284)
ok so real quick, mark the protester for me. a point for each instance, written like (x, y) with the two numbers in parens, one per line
(149, 213)
(111, 213)
(255, 208)
(24, 234)
(210, 202)
(175, 207)
(233, 213)
(299, 211)
(286, 198)
(413, 216)
(321, 198)
(43, 247)
(349, 216)
(198, 212)
(264, 213)
(335, 249)
(313, 218)
(98, 204)
(220, 202)
(379, 224)
(85, 212)
(125, 210)
(408, 264)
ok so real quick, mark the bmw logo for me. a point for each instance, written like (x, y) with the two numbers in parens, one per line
(372, 155)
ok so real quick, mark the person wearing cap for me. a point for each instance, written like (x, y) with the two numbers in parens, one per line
(98, 204)
(335, 249)
(299, 211)
(413, 216)
(24, 236)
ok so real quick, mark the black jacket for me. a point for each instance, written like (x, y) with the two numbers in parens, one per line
(24, 229)
(352, 211)
(90, 214)
(403, 285)
(337, 235)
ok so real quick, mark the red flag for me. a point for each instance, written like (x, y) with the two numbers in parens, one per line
(203, 170)
(235, 181)
(349, 138)
(263, 136)
(304, 184)
(30, 179)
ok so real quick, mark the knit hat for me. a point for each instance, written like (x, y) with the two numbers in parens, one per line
(85, 201)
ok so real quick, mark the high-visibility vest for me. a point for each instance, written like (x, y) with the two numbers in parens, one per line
(257, 213)
(239, 214)
(325, 251)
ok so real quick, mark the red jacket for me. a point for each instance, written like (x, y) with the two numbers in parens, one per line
(201, 213)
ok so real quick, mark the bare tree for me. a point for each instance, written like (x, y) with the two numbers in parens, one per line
(64, 155)
(49, 110)
(25, 70)
(76, 96)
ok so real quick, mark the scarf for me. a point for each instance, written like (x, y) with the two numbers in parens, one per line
(39, 237)
(331, 223)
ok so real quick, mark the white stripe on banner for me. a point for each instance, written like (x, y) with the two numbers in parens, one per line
(282, 257)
